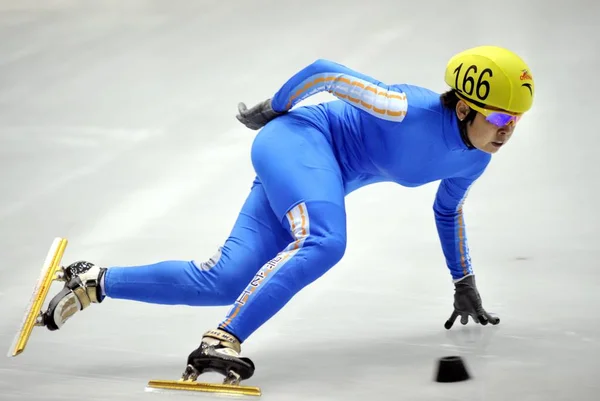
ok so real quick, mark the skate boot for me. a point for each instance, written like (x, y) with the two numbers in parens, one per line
(82, 288)
(219, 352)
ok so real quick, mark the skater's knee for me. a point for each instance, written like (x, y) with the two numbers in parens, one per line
(322, 225)
(332, 245)
(316, 255)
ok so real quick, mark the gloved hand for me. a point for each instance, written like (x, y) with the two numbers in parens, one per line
(259, 115)
(467, 302)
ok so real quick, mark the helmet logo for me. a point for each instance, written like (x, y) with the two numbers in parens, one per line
(525, 75)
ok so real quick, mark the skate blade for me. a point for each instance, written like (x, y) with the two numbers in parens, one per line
(189, 385)
(47, 275)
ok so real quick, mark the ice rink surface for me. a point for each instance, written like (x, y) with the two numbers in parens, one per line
(118, 132)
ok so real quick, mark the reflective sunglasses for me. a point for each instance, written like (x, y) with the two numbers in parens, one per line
(497, 117)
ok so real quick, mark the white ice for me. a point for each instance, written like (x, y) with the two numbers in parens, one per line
(118, 132)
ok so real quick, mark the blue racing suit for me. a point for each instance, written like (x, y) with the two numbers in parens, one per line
(292, 227)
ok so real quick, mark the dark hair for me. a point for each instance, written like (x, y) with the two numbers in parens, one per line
(450, 99)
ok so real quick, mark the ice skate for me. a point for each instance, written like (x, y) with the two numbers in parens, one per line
(218, 352)
(81, 288)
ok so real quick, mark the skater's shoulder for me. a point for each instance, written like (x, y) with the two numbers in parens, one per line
(418, 96)
(423, 106)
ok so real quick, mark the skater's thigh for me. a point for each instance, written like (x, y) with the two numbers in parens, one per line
(296, 164)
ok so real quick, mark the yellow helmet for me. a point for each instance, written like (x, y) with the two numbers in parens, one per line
(492, 76)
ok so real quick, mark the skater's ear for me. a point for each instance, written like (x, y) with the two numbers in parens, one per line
(464, 112)
(462, 109)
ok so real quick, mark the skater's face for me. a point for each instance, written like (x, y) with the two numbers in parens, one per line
(484, 135)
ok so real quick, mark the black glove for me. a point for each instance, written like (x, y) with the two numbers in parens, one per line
(467, 302)
(259, 115)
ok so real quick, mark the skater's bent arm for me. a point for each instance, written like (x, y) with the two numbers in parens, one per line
(352, 87)
(450, 223)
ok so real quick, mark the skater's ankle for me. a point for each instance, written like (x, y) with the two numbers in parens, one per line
(102, 285)
(230, 333)
(222, 339)
(86, 279)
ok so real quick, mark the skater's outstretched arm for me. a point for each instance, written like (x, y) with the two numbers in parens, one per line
(359, 90)
(342, 82)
